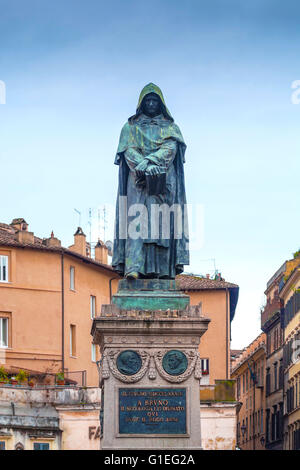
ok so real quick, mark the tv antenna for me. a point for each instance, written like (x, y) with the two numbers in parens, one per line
(79, 213)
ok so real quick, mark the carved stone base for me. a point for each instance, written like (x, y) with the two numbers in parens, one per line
(149, 376)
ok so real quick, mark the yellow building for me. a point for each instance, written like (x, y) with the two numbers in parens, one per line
(290, 294)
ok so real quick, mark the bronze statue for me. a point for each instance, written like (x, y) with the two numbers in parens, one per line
(151, 235)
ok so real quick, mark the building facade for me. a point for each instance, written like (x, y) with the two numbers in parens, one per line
(49, 418)
(271, 325)
(218, 300)
(48, 298)
(248, 369)
(290, 295)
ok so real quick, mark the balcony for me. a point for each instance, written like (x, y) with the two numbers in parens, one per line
(270, 309)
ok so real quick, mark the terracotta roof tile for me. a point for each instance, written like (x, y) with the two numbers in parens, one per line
(8, 237)
(189, 282)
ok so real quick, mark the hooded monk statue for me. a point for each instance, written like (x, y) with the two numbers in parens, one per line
(151, 229)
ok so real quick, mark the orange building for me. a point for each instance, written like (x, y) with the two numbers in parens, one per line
(50, 294)
(218, 299)
(48, 298)
(248, 369)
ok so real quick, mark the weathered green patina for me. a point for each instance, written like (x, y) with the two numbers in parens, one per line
(150, 294)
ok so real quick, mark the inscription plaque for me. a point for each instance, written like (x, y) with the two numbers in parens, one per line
(152, 411)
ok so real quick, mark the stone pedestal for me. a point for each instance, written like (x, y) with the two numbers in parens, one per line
(149, 375)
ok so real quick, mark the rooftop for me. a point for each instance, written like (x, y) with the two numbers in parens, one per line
(190, 282)
(187, 282)
(9, 237)
(248, 351)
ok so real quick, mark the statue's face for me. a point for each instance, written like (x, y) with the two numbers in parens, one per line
(130, 360)
(151, 105)
(173, 361)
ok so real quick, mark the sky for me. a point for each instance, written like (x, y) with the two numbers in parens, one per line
(73, 71)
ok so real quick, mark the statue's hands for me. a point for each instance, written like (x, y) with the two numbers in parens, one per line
(153, 170)
(141, 168)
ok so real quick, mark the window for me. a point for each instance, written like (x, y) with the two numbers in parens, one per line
(268, 381)
(280, 374)
(3, 268)
(205, 366)
(275, 376)
(238, 387)
(41, 446)
(72, 340)
(93, 306)
(72, 278)
(94, 353)
(3, 332)
(2, 445)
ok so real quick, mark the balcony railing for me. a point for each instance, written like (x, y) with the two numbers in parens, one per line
(270, 309)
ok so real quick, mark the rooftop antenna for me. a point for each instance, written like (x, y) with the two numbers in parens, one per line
(104, 223)
(79, 213)
(90, 224)
(99, 223)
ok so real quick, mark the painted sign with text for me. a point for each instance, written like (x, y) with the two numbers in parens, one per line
(152, 411)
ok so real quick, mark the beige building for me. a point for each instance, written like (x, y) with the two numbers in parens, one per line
(49, 418)
(219, 410)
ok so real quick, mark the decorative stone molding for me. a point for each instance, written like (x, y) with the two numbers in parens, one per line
(152, 370)
(198, 370)
(151, 362)
(111, 359)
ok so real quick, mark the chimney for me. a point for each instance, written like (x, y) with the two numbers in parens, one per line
(101, 252)
(25, 237)
(19, 224)
(52, 241)
(79, 242)
(88, 249)
(207, 276)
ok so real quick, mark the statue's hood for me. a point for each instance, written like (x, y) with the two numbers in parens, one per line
(152, 88)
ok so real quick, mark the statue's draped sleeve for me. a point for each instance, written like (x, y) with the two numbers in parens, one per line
(165, 155)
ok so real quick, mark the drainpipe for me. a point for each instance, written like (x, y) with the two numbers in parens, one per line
(62, 314)
(227, 321)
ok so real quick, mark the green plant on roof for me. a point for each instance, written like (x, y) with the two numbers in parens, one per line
(22, 376)
(297, 253)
